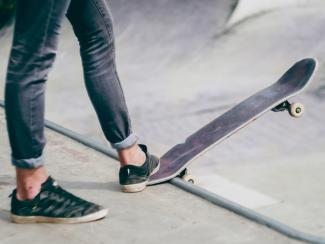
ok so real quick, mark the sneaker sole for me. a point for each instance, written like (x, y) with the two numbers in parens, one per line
(41, 219)
(140, 186)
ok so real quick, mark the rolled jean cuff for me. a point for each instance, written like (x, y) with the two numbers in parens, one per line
(129, 141)
(30, 163)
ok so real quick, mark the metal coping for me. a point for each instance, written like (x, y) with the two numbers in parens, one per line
(198, 191)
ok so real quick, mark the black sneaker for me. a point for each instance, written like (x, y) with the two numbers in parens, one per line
(54, 205)
(134, 178)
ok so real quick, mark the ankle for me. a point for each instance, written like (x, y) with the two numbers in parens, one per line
(29, 182)
(132, 155)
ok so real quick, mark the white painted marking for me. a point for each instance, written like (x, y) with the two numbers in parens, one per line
(246, 8)
(235, 192)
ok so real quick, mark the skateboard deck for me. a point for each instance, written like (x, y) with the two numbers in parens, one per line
(274, 97)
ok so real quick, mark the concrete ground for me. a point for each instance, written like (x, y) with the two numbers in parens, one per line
(161, 214)
(179, 71)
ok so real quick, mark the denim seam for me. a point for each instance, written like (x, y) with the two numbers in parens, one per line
(120, 85)
(46, 29)
(45, 35)
(111, 39)
(32, 116)
(109, 32)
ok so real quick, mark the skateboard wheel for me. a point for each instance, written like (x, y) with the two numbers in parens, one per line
(188, 178)
(296, 109)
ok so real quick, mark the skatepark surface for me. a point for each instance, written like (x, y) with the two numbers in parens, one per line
(182, 64)
(162, 214)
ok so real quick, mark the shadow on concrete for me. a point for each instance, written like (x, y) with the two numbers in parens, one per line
(4, 215)
(82, 185)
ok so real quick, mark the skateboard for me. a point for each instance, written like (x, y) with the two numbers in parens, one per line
(275, 97)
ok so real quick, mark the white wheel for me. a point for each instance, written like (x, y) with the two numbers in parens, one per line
(188, 178)
(296, 109)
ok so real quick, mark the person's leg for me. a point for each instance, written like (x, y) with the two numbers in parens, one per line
(92, 24)
(32, 54)
(37, 197)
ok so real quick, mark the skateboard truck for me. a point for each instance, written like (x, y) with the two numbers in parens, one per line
(186, 176)
(294, 109)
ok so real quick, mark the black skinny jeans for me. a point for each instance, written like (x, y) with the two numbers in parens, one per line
(33, 52)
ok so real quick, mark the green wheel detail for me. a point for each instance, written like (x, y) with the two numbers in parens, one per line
(296, 110)
(189, 178)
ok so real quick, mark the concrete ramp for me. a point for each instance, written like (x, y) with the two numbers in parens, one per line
(180, 70)
(162, 34)
(161, 214)
(248, 8)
